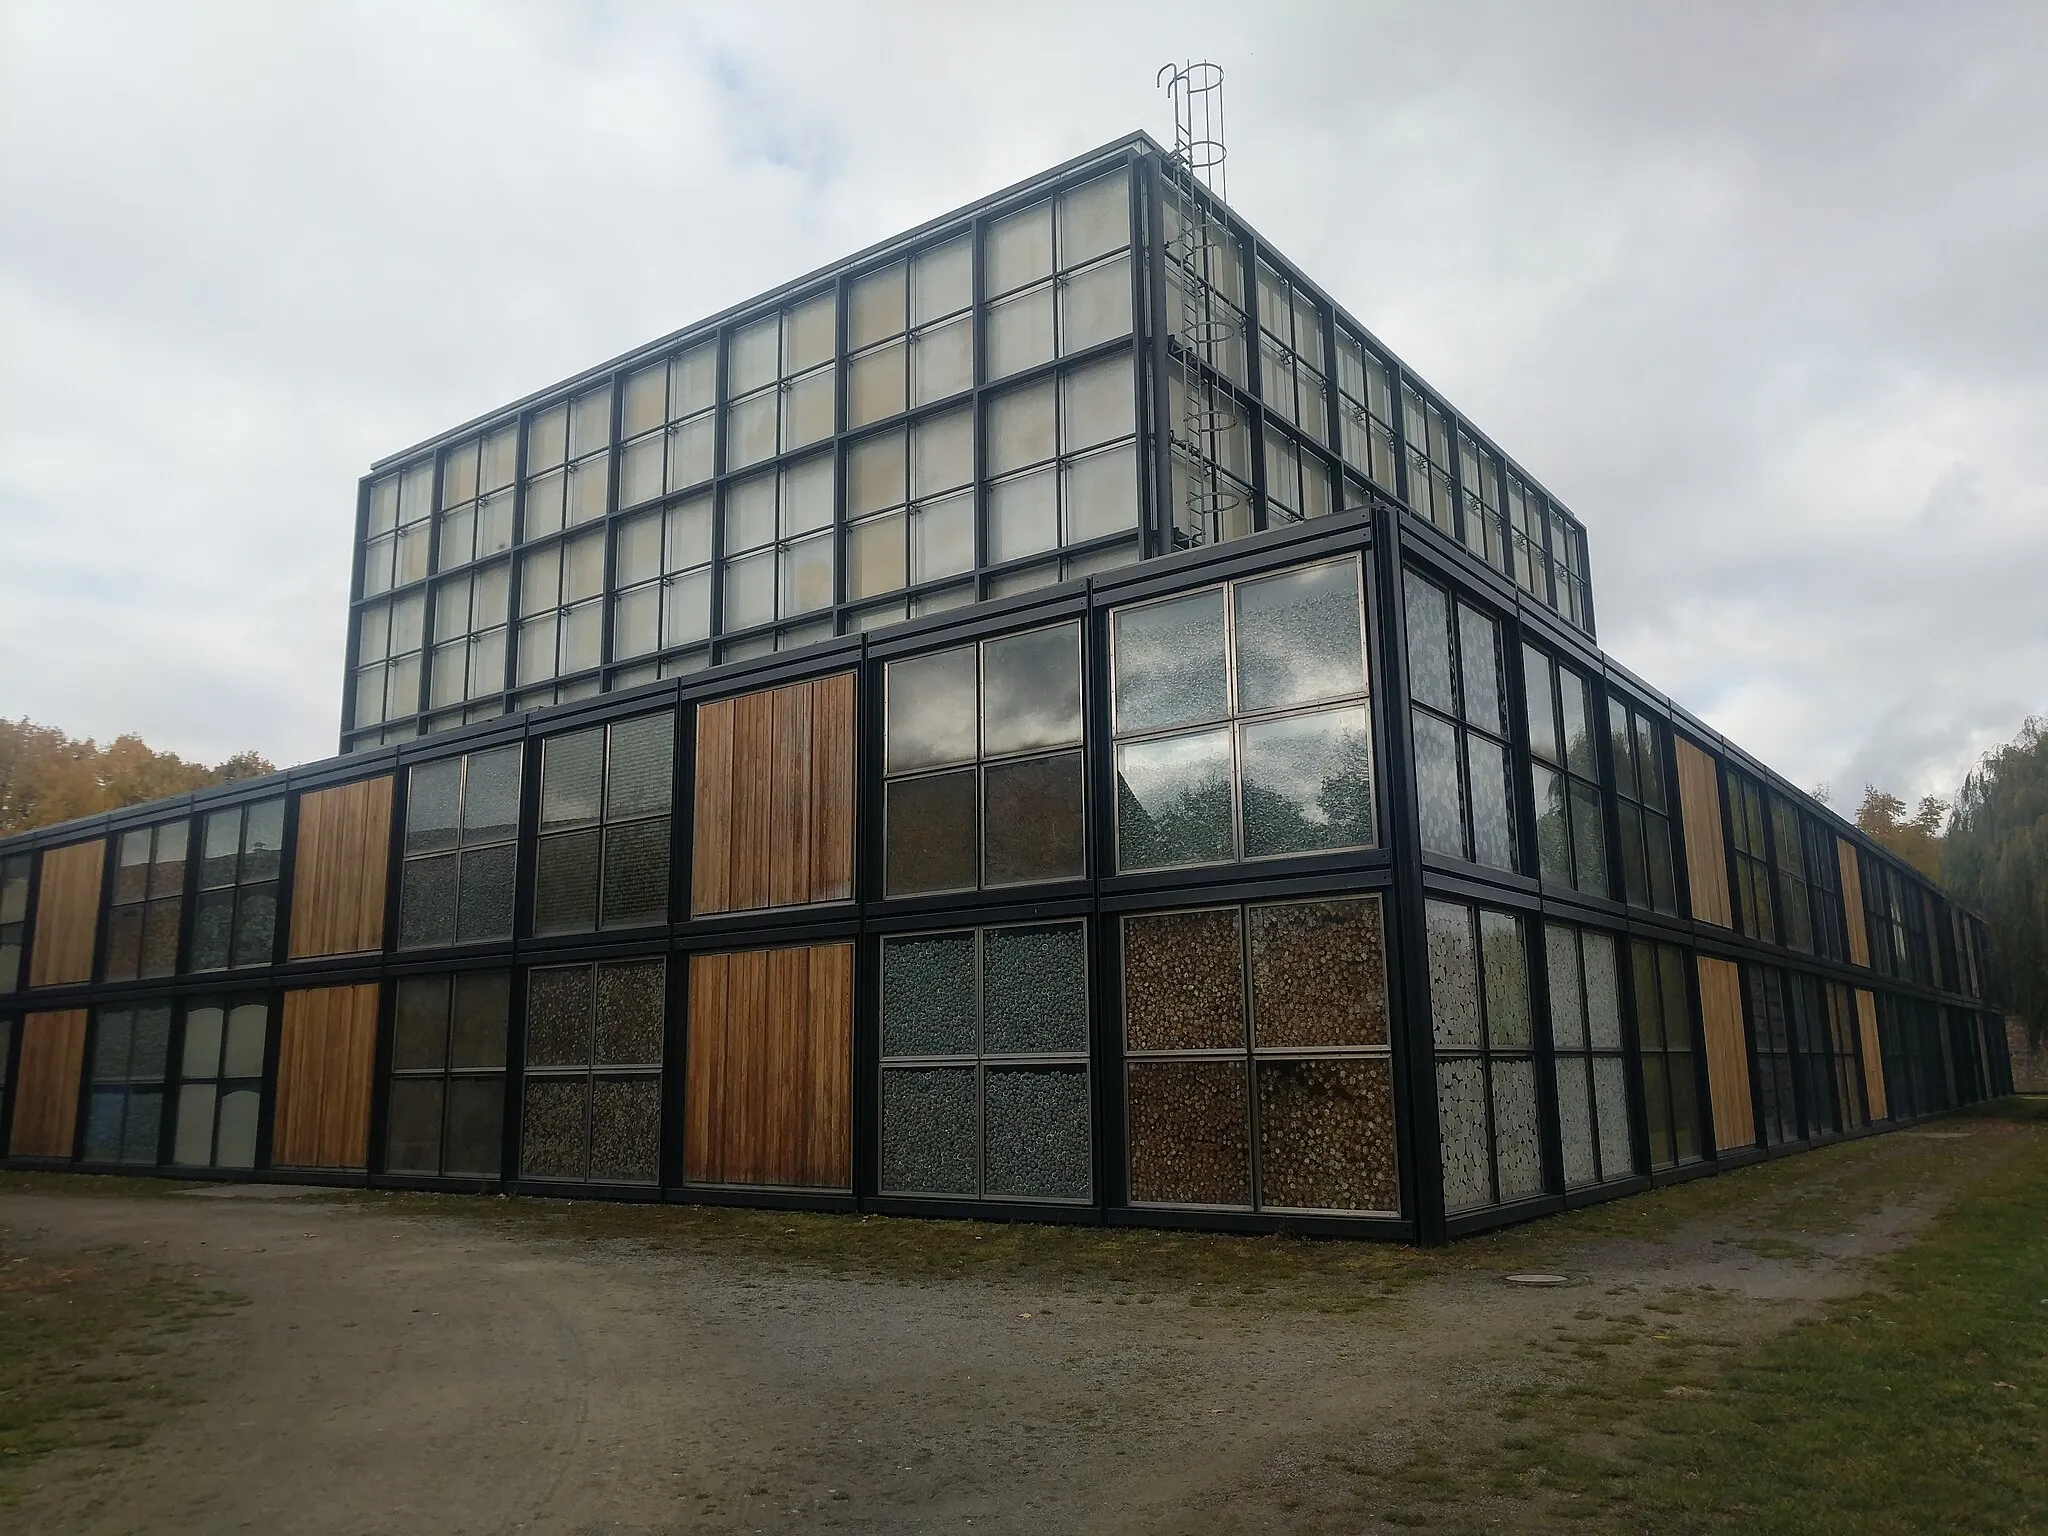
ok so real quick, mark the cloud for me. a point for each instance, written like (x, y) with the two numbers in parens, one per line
(1756, 290)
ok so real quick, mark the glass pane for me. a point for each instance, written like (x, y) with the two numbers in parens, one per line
(476, 1112)
(1100, 493)
(1190, 1140)
(942, 361)
(1567, 998)
(565, 883)
(1096, 404)
(1517, 1149)
(625, 1129)
(414, 1119)
(928, 995)
(558, 1016)
(806, 569)
(556, 1128)
(1032, 690)
(1020, 333)
(928, 1131)
(1575, 1123)
(807, 407)
(686, 608)
(1094, 218)
(636, 622)
(1174, 801)
(481, 1007)
(1018, 249)
(1440, 802)
(942, 544)
(942, 281)
(1035, 1137)
(430, 807)
(1429, 648)
(932, 709)
(1610, 1097)
(930, 834)
(571, 779)
(875, 385)
(240, 1109)
(1589, 839)
(1095, 306)
(484, 906)
(876, 473)
(1326, 1135)
(1033, 820)
(1479, 650)
(750, 429)
(750, 591)
(1453, 976)
(1169, 662)
(1299, 637)
(1506, 969)
(635, 874)
(1035, 985)
(877, 556)
(809, 333)
(1461, 1129)
(1603, 991)
(876, 311)
(690, 453)
(490, 809)
(632, 1003)
(203, 1026)
(1493, 834)
(942, 453)
(193, 1147)
(1023, 516)
(754, 356)
(1307, 782)
(1319, 973)
(255, 925)
(1553, 825)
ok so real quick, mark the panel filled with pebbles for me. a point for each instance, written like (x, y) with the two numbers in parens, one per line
(1190, 1138)
(555, 1129)
(1035, 988)
(1183, 975)
(1326, 1135)
(625, 1129)
(1036, 1132)
(928, 1131)
(1319, 974)
(928, 1000)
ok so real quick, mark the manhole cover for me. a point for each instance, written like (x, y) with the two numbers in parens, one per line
(1539, 1279)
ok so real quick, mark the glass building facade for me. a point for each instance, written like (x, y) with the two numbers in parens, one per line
(880, 749)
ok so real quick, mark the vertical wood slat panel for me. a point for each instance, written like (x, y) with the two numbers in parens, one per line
(705, 1053)
(785, 1109)
(774, 798)
(1699, 795)
(746, 1075)
(753, 767)
(789, 813)
(1727, 1054)
(711, 855)
(828, 1149)
(832, 788)
(1852, 903)
(67, 915)
(46, 1088)
(340, 869)
(326, 1052)
(1873, 1061)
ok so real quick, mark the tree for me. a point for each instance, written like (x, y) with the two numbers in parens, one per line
(1997, 862)
(46, 776)
(1915, 838)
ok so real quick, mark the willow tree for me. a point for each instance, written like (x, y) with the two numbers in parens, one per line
(1995, 858)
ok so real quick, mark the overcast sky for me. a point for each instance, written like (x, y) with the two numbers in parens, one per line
(1760, 291)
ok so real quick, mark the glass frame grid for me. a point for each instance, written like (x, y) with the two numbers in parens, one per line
(255, 868)
(137, 920)
(1584, 1055)
(1637, 738)
(247, 1084)
(447, 1072)
(1486, 1054)
(981, 1060)
(1458, 718)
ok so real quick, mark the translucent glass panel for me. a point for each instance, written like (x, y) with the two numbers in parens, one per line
(1529, 537)
(1460, 723)
(1591, 1070)
(397, 545)
(984, 1077)
(476, 497)
(14, 874)
(389, 640)
(1062, 461)
(910, 334)
(470, 615)
(780, 381)
(1241, 721)
(1671, 1103)
(1479, 481)
(1259, 1030)
(1485, 1063)
(910, 505)
(1365, 411)
(446, 1110)
(220, 1082)
(125, 1102)
(1294, 382)
(1058, 276)
(667, 425)
(1205, 292)
(592, 1088)
(983, 754)
(1212, 468)
(1638, 746)
(779, 549)
(461, 822)
(1570, 592)
(234, 920)
(561, 608)
(146, 903)
(602, 860)
(1564, 775)
(568, 463)
(663, 579)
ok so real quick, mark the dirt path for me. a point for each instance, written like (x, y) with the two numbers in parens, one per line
(400, 1374)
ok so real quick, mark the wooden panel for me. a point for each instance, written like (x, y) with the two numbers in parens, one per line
(326, 1052)
(828, 1142)
(753, 770)
(705, 1053)
(67, 915)
(340, 869)
(832, 788)
(711, 866)
(789, 856)
(1727, 1054)
(1706, 860)
(1873, 1061)
(774, 798)
(46, 1088)
(769, 1089)
(1852, 903)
